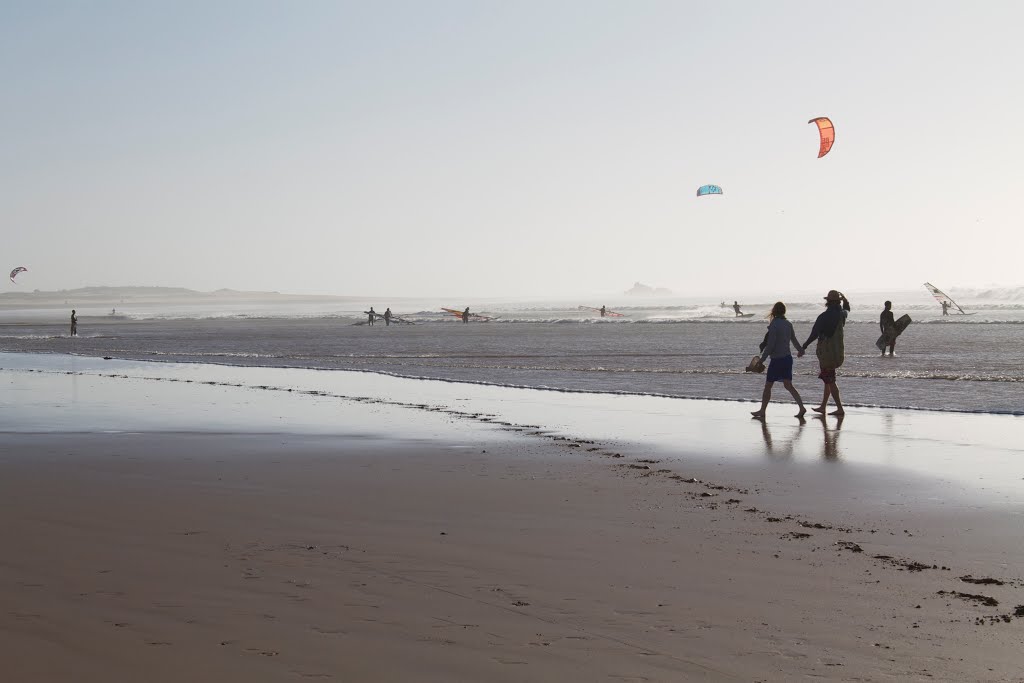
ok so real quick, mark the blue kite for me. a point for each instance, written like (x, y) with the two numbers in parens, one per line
(708, 189)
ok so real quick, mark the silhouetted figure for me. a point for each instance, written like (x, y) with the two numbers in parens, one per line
(387, 317)
(465, 315)
(736, 307)
(74, 323)
(827, 330)
(603, 310)
(887, 323)
(776, 345)
(945, 308)
(371, 315)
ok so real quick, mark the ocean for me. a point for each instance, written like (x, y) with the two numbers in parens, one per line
(676, 349)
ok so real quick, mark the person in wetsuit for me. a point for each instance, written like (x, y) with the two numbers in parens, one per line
(465, 315)
(887, 324)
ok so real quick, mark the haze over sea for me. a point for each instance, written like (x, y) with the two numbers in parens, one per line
(668, 346)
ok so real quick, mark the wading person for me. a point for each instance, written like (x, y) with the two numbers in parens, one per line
(780, 369)
(828, 331)
(465, 315)
(887, 324)
(74, 323)
(371, 314)
(387, 317)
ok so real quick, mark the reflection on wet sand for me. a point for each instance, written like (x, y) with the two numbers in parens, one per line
(830, 450)
(782, 449)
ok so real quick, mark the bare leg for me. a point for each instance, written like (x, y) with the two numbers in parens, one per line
(834, 388)
(824, 401)
(796, 397)
(766, 396)
(892, 349)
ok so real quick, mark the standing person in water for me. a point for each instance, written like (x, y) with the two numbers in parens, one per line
(603, 310)
(887, 324)
(465, 315)
(74, 323)
(828, 331)
(945, 308)
(387, 317)
(371, 315)
(780, 336)
(736, 307)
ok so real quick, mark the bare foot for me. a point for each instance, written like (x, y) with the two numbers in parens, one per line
(803, 411)
(757, 415)
(819, 410)
(838, 412)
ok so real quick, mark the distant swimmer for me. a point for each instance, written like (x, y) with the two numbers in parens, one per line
(74, 323)
(887, 324)
(465, 315)
(736, 307)
(371, 315)
(945, 308)
(828, 330)
(387, 317)
(603, 310)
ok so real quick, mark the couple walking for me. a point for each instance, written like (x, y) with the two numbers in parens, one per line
(827, 330)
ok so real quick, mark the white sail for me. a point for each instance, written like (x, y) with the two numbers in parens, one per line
(942, 297)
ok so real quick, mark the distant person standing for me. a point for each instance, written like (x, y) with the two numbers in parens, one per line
(74, 323)
(780, 336)
(945, 308)
(603, 310)
(371, 315)
(736, 307)
(465, 315)
(387, 317)
(828, 331)
(887, 325)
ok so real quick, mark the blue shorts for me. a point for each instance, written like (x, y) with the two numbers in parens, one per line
(780, 369)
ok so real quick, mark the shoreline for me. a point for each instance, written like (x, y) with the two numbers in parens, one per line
(460, 533)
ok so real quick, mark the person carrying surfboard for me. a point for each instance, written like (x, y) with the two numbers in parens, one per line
(887, 324)
(828, 331)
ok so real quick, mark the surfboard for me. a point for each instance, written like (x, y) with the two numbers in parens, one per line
(901, 324)
(745, 315)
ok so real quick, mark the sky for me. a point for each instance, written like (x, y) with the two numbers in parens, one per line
(512, 148)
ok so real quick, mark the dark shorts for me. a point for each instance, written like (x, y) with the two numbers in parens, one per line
(780, 369)
(827, 375)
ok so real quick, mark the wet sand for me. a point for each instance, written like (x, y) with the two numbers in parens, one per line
(272, 551)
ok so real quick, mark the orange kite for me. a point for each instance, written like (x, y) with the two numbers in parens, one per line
(827, 132)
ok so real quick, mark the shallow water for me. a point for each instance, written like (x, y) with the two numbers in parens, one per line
(942, 365)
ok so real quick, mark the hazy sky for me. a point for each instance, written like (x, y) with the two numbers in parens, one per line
(510, 148)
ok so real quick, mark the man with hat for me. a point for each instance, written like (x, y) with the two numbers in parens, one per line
(825, 328)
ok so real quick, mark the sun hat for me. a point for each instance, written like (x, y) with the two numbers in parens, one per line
(833, 295)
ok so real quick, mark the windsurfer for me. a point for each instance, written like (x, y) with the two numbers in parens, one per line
(945, 308)
(465, 315)
(603, 310)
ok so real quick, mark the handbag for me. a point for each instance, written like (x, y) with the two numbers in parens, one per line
(830, 351)
(755, 365)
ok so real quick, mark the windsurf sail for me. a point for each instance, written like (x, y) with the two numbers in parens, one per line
(827, 132)
(607, 313)
(942, 297)
(14, 273)
(708, 189)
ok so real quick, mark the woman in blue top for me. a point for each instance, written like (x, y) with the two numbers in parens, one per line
(780, 336)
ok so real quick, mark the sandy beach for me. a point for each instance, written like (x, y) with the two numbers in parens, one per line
(169, 530)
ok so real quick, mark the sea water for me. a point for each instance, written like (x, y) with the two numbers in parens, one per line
(677, 349)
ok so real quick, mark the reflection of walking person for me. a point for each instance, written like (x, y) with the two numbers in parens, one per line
(780, 336)
(387, 317)
(830, 450)
(465, 315)
(372, 314)
(828, 330)
(887, 323)
(74, 323)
